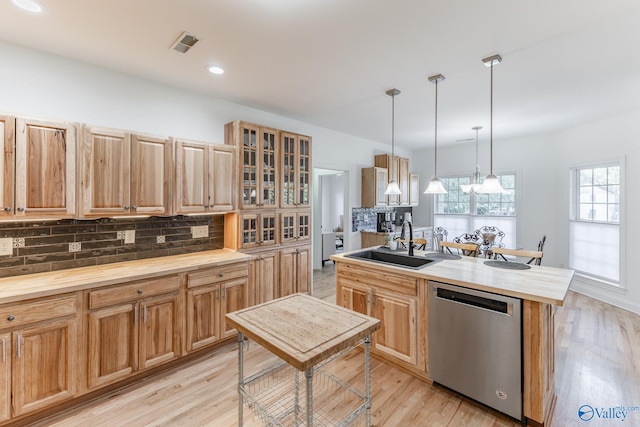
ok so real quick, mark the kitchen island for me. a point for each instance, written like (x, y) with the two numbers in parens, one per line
(398, 297)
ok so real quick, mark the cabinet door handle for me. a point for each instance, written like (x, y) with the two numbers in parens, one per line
(4, 349)
(144, 313)
(126, 208)
(140, 291)
(224, 293)
(134, 207)
(218, 294)
(11, 317)
(221, 274)
(20, 209)
(8, 209)
(19, 346)
(135, 314)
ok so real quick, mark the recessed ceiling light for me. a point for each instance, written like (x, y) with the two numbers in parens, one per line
(215, 70)
(29, 5)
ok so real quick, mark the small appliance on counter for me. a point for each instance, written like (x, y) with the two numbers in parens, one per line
(385, 222)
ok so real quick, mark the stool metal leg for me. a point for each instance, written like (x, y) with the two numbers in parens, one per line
(367, 380)
(240, 378)
(309, 374)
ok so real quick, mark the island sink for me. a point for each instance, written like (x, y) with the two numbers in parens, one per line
(400, 260)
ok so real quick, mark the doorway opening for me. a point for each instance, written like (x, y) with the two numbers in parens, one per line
(331, 218)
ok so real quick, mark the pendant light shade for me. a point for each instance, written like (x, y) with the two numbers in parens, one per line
(435, 185)
(491, 183)
(392, 189)
(475, 186)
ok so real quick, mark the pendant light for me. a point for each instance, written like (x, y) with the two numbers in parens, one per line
(392, 189)
(475, 186)
(435, 185)
(491, 183)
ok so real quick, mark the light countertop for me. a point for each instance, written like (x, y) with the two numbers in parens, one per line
(539, 283)
(20, 288)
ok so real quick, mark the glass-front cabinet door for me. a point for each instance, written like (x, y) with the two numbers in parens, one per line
(269, 155)
(259, 156)
(295, 153)
(304, 172)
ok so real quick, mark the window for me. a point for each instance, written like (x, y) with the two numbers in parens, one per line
(454, 201)
(594, 230)
(462, 213)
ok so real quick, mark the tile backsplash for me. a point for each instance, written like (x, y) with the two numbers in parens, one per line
(366, 218)
(50, 245)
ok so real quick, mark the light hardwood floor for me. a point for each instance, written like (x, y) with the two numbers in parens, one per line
(597, 363)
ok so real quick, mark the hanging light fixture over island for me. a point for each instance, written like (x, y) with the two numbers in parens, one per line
(435, 185)
(392, 189)
(491, 183)
(475, 185)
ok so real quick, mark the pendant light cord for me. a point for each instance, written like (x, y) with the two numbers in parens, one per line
(435, 155)
(393, 132)
(491, 125)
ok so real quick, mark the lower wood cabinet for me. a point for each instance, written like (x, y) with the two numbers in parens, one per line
(211, 295)
(295, 270)
(263, 282)
(398, 335)
(129, 331)
(39, 347)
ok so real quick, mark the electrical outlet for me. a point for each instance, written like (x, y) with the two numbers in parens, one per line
(120, 234)
(6, 246)
(75, 247)
(160, 239)
(129, 237)
(200, 231)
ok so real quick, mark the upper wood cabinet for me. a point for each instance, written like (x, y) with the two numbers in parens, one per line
(398, 169)
(414, 189)
(124, 174)
(258, 156)
(45, 157)
(7, 164)
(374, 184)
(295, 161)
(205, 178)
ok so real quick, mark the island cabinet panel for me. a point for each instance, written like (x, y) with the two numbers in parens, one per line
(539, 360)
(45, 156)
(211, 294)
(398, 312)
(132, 327)
(39, 346)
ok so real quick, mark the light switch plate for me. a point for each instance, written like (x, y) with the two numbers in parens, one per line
(200, 231)
(6, 246)
(129, 237)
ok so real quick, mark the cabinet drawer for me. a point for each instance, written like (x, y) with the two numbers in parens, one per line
(37, 310)
(217, 274)
(136, 290)
(380, 279)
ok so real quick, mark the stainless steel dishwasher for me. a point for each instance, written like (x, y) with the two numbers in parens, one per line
(475, 345)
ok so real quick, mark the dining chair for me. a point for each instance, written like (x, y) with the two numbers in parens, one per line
(535, 256)
(418, 243)
(439, 235)
(466, 249)
(491, 237)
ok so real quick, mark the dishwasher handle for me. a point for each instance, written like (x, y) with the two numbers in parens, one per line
(473, 300)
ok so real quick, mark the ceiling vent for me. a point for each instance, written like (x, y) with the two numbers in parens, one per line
(185, 42)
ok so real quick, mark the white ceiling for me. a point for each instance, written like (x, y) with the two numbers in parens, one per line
(329, 62)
